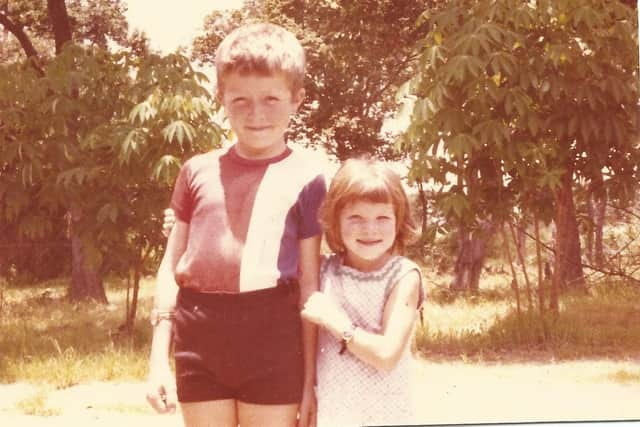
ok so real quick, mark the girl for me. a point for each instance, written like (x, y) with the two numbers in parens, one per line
(368, 300)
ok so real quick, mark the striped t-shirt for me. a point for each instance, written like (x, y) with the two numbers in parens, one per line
(245, 218)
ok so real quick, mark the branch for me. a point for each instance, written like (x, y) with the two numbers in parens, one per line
(627, 211)
(616, 273)
(25, 42)
(375, 95)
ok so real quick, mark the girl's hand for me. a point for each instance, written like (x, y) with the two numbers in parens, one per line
(321, 310)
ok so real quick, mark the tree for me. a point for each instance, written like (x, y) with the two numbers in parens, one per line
(103, 133)
(518, 99)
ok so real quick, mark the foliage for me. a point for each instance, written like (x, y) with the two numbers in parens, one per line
(357, 53)
(95, 22)
(510, 95)
(104, 133)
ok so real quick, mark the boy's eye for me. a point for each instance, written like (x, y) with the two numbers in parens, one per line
(272, 99)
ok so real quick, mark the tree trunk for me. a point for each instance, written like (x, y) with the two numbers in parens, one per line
(600, 213)
(59, 22)
(86, 283)
(590, 232)
(472, 249)
(86, 280)
(422, 197)
(568, 264)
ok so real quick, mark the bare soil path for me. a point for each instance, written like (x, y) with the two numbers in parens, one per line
(448, 393)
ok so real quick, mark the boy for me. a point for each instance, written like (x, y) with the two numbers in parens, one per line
(244, 253)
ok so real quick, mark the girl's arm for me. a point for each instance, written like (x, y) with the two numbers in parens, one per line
(309, 266)
(161, 386)
(382, 350)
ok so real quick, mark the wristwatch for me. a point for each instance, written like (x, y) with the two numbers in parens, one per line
(347, 337)
(158, 316)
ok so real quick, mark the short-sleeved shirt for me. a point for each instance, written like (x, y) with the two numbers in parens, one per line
(351, 392)
(245, 218)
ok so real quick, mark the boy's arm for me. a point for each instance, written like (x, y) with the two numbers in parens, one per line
(309, 278)
(161, 385)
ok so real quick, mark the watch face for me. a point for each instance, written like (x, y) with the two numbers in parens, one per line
(347, 335)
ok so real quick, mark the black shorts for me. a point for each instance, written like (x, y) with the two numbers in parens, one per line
(245, 346)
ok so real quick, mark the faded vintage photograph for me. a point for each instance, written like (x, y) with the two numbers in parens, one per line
(319, 213)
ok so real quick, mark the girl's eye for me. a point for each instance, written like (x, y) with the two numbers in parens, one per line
(272, 99)
(383, 218)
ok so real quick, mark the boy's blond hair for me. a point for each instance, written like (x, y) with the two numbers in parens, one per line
(371, 181)
(263, 49)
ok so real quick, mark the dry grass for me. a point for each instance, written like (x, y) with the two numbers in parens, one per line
(604, 323)
(625, 376)
(48, 340)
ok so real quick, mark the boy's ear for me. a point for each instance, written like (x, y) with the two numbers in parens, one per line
(298, 97)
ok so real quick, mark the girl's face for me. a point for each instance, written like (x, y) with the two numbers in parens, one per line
(368, 231)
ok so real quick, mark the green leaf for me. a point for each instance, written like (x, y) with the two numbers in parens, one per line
(461, 144)
(108, 211)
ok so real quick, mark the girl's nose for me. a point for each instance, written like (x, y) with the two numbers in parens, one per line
(368, 227)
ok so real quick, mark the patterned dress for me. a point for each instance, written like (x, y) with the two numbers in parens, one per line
(349, 391)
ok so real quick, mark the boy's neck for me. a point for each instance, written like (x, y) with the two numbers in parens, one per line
(260, 154)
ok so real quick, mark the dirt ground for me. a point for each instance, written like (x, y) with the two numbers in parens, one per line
(447, 393)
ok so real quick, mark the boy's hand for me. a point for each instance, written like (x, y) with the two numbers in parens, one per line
(322, 311)
(169, 220)
(161, 391)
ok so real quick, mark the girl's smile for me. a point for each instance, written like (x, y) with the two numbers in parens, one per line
(368, 232)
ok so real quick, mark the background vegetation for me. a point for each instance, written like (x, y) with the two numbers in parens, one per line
(517, 122)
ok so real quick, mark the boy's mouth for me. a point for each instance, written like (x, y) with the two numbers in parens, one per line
(257, 128)
(369, 242)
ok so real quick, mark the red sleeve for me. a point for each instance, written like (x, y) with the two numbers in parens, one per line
(182, 197)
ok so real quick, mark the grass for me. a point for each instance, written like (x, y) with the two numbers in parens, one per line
(605, 323)
(48, 340)
(36, 404)
(625, 377)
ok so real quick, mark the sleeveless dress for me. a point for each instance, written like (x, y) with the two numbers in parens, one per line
(349, 391)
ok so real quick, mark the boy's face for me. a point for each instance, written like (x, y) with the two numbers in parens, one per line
(259, 108)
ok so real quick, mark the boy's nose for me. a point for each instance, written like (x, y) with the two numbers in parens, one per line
(256, 110)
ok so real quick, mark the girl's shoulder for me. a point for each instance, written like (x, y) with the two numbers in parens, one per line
(406, 266)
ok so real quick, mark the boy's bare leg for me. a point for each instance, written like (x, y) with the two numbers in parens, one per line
(254, 415)
(210, 414)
